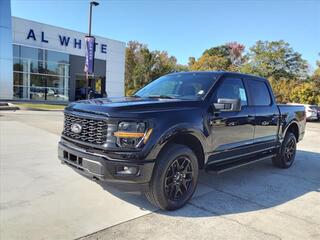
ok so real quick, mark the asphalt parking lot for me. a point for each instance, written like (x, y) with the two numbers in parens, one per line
(42, 199)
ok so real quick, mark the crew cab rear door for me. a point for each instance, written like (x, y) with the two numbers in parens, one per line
(231, 131)
(266, 113)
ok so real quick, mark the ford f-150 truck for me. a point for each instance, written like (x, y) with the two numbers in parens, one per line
(176, 125)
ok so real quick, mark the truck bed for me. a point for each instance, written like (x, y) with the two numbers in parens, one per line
(290, 112)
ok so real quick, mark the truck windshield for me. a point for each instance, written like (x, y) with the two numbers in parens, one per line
(189, 86)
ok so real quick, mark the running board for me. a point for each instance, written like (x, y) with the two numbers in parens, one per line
(232, 165)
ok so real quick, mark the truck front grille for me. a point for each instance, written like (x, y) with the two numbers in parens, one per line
(93, 131)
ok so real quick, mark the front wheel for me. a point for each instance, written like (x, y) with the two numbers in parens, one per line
(287, 153)
(174, 178)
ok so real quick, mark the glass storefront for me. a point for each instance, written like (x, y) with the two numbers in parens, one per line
(83, 86)
(40, 74)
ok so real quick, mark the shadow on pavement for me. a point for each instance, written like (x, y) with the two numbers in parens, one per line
(251, 188)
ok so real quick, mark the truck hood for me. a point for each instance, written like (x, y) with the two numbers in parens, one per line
(131, 106)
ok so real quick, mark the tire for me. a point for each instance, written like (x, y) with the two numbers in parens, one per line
(286, 156)
(176, 168)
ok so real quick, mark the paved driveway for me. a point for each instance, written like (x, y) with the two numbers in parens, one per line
(41, 199)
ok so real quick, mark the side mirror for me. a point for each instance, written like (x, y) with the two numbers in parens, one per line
(228, 104)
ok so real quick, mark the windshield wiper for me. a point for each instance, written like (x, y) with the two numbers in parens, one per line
(135, 96)
(160, 96)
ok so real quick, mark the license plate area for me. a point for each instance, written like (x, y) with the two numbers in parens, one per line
(90, 166)
(72, 158)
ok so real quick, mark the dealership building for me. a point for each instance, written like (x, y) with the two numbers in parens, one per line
(41, 62)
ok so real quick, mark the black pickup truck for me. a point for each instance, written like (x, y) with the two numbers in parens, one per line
(178, 124)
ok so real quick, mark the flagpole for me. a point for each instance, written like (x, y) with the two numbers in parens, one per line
(92, 3)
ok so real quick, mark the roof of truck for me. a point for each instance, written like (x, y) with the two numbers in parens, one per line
(221, 73)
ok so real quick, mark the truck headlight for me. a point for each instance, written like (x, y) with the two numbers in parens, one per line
(132, 134)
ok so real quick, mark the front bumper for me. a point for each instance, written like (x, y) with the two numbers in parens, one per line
(100, 167)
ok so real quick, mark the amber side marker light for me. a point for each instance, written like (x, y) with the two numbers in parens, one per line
(134, 135)
(146, 137)
(128, 134)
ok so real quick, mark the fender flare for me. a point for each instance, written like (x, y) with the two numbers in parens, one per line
(286, 126)
(173, 132)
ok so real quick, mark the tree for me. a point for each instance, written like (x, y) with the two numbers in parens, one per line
(281, 89)
(226, 57)
(133, 52)
(192, 61)
(221, 51)
(236, 53)
(316, 74)
(207, 62)
(143, 65)
(306, 92)
(285, 69)
(276, 59)
(315, 80)
(163, 64)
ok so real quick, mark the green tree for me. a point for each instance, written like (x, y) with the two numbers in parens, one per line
(162, 64)
(275, 59)
(306, 92)
(192, 61)
(143, 66)
(316, 74)
(281, 89)
(210, 62)
(133, 58)
(226, 57)
(221, 51)
(315, 79)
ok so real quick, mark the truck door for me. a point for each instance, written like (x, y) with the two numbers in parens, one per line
(231, 131)
(267, 114)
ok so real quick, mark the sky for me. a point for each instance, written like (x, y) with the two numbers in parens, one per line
(186, 28)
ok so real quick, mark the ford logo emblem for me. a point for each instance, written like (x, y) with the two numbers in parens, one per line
(76, 128)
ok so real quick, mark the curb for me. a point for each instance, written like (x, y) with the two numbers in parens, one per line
(4, 106)
(9, 108)
(41, 110)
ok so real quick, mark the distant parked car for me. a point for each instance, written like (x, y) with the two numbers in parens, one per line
(318, 112)
(311, 111)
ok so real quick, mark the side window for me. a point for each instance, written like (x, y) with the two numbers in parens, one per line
(259, 92)
(232, 88)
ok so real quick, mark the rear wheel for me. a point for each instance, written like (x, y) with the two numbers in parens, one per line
(287, 153)
(174, 178)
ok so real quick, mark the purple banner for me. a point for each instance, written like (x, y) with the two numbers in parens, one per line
(90, 46)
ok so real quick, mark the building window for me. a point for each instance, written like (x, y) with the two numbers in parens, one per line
(40, 74)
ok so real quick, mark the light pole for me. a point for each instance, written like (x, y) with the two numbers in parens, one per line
(92, 3)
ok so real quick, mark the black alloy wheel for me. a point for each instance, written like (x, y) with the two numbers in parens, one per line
(174, 178)
(290, 150)
(287, 152)
(178, 178)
